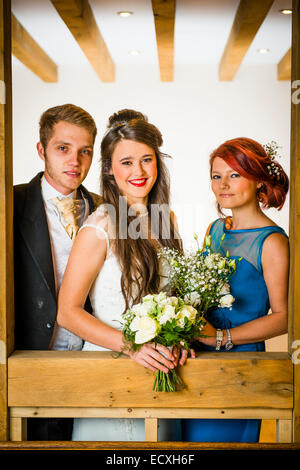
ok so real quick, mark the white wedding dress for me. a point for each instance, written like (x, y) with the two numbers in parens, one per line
(108, 304)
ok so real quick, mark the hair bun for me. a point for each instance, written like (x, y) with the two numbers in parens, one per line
(124, 116)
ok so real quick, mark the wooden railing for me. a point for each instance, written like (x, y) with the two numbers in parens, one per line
(96, 384)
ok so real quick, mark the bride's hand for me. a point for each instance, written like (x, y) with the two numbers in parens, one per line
(153, 357)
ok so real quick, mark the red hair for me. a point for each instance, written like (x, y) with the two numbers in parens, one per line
(248, 158)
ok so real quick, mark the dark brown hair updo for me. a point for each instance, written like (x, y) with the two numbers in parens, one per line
(137, 257)
(250, 159)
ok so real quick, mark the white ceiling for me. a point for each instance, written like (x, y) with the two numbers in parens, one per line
(202, 28)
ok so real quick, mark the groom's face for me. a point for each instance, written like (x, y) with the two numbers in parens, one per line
(68, 156)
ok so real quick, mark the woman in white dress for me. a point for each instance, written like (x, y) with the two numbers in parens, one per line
(114, 260)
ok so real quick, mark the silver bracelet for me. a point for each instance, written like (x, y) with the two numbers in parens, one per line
(229, 345)
(219, 339)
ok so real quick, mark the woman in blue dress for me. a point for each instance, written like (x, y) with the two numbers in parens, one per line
(246, 179)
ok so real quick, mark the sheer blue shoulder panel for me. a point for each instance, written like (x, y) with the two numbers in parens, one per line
(246, 244)
(216, 232)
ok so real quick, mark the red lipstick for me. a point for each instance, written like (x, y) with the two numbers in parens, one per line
(138, 182)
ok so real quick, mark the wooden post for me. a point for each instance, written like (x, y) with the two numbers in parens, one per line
(151, 429)
(294, 294)
(6, 212)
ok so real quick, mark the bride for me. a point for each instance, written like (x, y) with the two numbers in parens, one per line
(114, 260)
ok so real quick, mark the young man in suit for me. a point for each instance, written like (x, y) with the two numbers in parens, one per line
(43, 237)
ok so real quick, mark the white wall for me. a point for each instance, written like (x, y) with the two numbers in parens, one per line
(195, 114)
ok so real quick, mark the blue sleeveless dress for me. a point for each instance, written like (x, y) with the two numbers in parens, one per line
(251, 301)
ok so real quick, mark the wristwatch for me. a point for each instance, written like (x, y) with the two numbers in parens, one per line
(229, 344)
(219, 339)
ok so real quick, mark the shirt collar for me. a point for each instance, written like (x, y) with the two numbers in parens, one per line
(48, 192)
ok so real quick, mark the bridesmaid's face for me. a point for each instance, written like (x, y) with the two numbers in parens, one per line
(230, 188)
(134, 169)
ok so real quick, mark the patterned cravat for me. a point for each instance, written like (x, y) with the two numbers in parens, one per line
(69, 209)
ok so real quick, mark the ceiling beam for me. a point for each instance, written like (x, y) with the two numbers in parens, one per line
(284, 66)
(26, 49)
(80, 20)
(164, 19)
(248, 19)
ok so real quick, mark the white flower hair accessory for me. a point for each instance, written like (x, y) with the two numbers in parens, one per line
(272, 151)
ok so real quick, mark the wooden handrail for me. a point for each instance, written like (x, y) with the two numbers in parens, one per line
(97, 379)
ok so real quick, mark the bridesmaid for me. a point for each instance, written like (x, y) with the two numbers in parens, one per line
(245, 179)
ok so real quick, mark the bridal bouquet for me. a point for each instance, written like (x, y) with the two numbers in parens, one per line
(166, 320)
(200, 278)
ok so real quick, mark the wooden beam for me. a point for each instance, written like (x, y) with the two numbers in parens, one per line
(164, 19)
(84, 379)
(160, 413)
(284, 66)
(6, 212)
(27, 50)
(248, 19)
(294, 229)
(80, 20)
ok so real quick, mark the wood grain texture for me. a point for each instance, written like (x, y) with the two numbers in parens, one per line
(71, 445)
(164, 19)
(284, 66)
(248, 19)
(85, 379)
(27, 50)
(6, 211)
(294, 229)
(80, 20)
(143, 413)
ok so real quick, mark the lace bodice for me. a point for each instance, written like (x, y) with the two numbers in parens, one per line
(105, 295)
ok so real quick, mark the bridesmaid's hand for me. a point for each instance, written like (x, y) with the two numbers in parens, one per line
(210, 332)
(154, 357)
(181, 355)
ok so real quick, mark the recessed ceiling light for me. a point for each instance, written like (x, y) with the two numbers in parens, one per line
(125, 14)
(286, 11)
(134, 52)
(263, 50)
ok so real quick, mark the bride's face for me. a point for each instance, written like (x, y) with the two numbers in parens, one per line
(134, 168)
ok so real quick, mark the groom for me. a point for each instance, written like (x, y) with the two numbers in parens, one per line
(43, 237)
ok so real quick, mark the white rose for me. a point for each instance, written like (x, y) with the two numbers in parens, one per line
(193, 298)
(173, 301)
(187, 311)
(148, 297)
(225, 289)
(160, 297)
(134, 325)
(147, 329)
(167, 314)
(143, 309)
(226, 301)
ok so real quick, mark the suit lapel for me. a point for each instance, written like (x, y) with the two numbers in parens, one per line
(89, 198)
(34, 229)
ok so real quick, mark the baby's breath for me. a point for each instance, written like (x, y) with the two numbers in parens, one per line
(200, 272)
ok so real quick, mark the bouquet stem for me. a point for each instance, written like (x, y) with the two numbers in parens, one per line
(167, 382)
